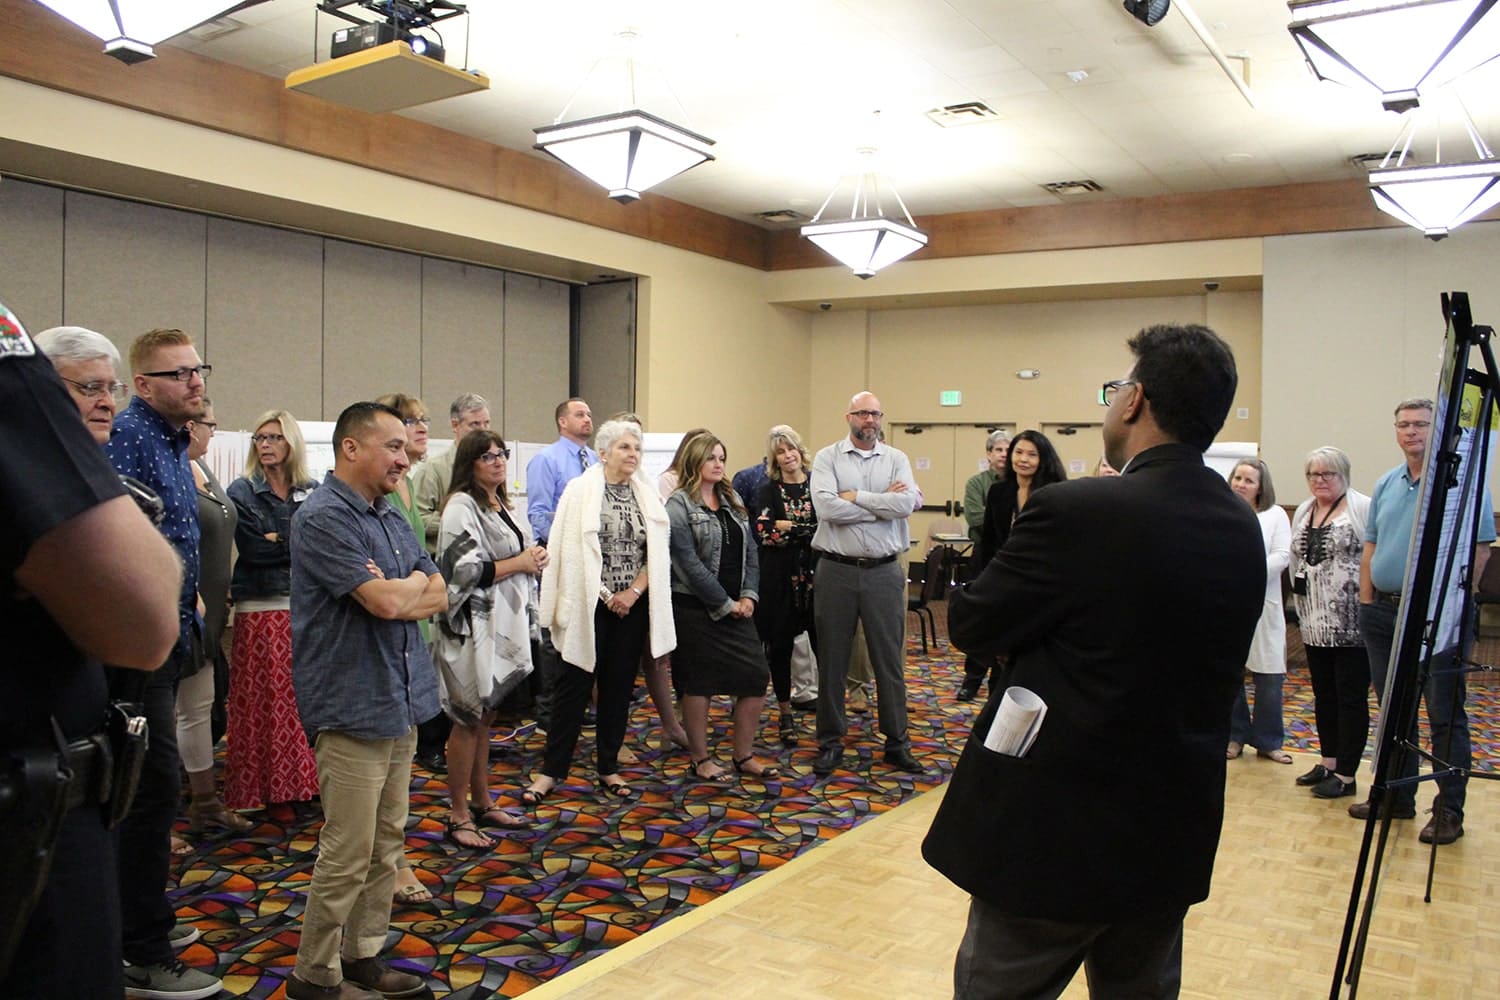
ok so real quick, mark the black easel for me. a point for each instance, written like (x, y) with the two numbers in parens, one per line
(1454, 477)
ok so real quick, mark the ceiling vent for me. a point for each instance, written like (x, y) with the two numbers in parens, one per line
(968, 113)
(1072, 189)
(783, 217)
(1365, 162)
(216, 28)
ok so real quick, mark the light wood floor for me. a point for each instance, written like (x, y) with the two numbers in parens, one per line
(863, 917)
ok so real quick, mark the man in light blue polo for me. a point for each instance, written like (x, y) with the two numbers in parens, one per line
(554, 467)
(361, 581)
(1382, 569)
(864, 492)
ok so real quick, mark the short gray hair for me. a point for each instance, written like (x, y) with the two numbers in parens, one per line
(612, 430)
(1413, 404)
(465, 403)
(995, 438)
(76, 344)
(1329, 457)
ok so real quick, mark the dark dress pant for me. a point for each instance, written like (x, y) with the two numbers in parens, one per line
(1003, 957)
(617, 652)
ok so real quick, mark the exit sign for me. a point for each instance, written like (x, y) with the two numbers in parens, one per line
(950, 397)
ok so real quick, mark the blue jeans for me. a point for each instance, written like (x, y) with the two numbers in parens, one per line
(1444, 694)
(1265, 732)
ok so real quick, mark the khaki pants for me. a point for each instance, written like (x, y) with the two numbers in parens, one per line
(365, 786)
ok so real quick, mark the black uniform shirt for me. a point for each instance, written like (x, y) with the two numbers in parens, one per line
(51, 470)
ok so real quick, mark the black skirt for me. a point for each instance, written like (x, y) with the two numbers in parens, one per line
(716, 657)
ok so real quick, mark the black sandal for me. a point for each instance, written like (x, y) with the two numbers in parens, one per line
(468, 826)
(532, 796)
(619, 789)
(494, 816)
(788, 731)
(719, 777)
(766, 770)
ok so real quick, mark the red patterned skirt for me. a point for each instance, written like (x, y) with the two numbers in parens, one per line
(267, 758)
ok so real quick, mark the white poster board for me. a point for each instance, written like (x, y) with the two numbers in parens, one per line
(1223, 456)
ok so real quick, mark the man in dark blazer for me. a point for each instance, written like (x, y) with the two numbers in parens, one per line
(1128, 606)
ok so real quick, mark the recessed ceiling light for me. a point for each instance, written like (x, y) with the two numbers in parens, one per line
(1077, 75)
(1238, 157)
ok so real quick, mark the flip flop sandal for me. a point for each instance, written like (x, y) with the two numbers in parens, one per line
(468, 826)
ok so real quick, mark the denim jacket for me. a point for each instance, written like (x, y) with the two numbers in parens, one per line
(264, 568)
(695, 546)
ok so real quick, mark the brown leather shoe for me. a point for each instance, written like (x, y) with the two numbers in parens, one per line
(301, 989)
(374, 974)
(1443, 828)
(1361, 810)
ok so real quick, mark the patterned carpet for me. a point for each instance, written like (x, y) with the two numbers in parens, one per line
(594, 872)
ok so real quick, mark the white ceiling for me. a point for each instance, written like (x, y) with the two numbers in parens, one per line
(789, 89)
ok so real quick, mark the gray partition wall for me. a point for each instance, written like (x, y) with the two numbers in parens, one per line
(289, 320)
(606, 337)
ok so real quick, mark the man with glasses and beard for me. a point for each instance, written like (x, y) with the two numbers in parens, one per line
(150, 443)
(864, 493)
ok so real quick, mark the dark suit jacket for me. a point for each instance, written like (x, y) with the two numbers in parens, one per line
(1128, 605)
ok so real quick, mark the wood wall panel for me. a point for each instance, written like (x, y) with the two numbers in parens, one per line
(31, 253)
(265, 322)
(536, 356)
(372, 323)
(129, 268)
(463, 339)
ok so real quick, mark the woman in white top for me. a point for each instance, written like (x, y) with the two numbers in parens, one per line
(1267, 663)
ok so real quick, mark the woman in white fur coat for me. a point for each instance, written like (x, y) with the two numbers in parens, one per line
(609, 556)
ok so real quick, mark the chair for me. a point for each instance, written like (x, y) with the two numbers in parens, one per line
(934, 581)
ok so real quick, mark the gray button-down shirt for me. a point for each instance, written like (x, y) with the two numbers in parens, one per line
(354, 673)
(874, 524)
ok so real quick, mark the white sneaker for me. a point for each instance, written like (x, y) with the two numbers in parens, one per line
(169, 981)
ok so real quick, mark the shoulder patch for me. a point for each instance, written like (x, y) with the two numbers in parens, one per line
(14, 341)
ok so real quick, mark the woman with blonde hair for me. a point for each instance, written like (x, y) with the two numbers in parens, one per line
(268, 759)
(715, 587)
(1267, 664)
(785, 523)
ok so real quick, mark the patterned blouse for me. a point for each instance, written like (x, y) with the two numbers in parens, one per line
(1328, 611)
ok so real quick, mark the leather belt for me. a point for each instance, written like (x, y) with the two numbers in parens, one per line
(859, 561)
(1386, 598)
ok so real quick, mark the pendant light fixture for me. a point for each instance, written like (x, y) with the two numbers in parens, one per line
(867, 239)
(626, 152)
(130, 28)
(1439, 197)
(1399, 48)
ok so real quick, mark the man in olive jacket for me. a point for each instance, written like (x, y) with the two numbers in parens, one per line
(1128, 606)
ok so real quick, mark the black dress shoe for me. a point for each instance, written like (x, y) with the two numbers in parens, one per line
(902, 760)
(1313, 777)
(967, 691)
(827, 760)
(1333, 787)
(432, 760)
(1361, 810)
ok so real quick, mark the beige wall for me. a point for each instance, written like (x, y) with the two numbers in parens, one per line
(1352, 326)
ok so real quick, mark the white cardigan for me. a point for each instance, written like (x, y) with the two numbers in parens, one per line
(571, 581)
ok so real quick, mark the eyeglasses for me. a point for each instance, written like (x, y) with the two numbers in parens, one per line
(267, 438)
(1108, 390)
(94, 390)
(1321, 477)
(491, 457)
(867, 414)
(414, 421)
(206, 423)
(183, 374)
(1407, 425)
